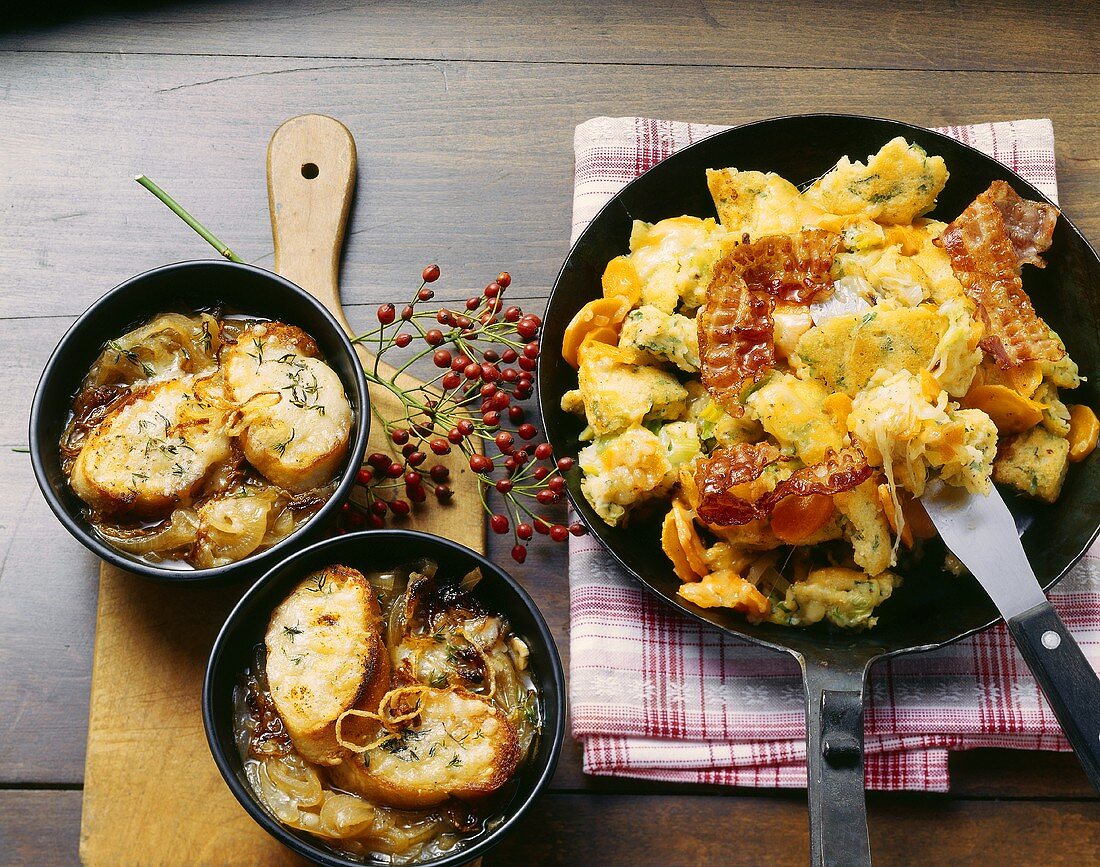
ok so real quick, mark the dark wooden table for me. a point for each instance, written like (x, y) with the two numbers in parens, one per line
(464, 117)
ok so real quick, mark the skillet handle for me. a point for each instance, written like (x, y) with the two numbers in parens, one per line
(834, 764)
(1067, 679)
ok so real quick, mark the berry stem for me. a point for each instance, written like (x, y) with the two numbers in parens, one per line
(178, 209)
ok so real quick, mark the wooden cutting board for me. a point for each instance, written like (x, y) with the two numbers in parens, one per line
(152, 794)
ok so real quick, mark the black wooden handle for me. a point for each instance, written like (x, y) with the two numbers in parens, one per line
(834, 764)
(1067, 679)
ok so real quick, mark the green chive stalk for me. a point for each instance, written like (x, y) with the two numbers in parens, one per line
(180, 212)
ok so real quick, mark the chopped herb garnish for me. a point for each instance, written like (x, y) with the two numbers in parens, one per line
(398, 746)
(280, 449)
(295, 660)
(530, 709)
(259, 353)
(438, 679)
(131, 356)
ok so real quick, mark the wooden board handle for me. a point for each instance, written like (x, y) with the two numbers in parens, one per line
(311, 174)
(311, 171)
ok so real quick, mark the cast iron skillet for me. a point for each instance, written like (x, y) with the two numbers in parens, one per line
(932, 608)
(185, 287)
(370, 551)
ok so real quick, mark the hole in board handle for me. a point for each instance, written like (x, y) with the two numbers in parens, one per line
(310, 171)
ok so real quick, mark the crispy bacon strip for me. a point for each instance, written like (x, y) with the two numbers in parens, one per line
(736, 333)
(724, 469)
(1030, 225)
(715, 476)
(736, 329)
(988, 243)
(840, 470)
(791, 267)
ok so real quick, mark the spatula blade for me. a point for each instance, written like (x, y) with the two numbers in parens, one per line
(981, 532)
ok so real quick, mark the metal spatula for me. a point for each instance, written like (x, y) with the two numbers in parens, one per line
(980, 531)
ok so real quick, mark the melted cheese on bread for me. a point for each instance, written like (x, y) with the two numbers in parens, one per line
(301, 440)
(461, 747)
(153, 451)
(324, 652)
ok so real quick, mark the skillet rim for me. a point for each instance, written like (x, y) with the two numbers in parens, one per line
(863, 650)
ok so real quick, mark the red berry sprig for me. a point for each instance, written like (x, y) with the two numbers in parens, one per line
(486, 355)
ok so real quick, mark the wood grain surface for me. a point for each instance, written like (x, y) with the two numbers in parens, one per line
(463, 114)
(689, 829)
(965, 34)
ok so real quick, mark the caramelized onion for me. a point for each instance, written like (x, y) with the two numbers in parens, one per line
(170, 342)
(176, 533)
(345, 816)
(232, 527)
(294, 776)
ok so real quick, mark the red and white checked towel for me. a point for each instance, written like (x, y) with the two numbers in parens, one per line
(659, 696)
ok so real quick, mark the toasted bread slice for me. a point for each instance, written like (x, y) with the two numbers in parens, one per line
(152, 452)
(463, 747)
(1034, 462)
(324, 655)
(300, 442)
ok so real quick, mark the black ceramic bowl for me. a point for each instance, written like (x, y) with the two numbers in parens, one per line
(185, 286)
(370, 551)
